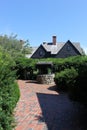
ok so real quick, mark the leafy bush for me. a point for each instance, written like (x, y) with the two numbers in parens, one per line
(65, 78)
(25, 68)
(75, 79)
(9, 91)
(79, 91)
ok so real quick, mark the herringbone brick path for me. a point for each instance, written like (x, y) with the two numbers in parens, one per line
(42, 108)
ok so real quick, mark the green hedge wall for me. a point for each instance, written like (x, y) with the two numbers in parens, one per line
(9, 91)
(66, 78)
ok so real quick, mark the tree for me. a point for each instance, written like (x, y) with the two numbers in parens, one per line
(14, 46)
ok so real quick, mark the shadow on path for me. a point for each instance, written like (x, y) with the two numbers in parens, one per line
(60, 114)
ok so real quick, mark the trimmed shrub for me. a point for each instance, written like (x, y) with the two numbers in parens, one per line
(9, 91)
(25, 68)
(79, 91)
(65, 78)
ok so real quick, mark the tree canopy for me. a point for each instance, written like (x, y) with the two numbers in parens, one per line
(14, 46)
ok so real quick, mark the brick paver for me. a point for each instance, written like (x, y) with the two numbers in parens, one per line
(42, 108)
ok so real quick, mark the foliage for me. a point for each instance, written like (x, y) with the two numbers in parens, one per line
(13, 46)
(66, 78)
(76, 80)
(79, 91)
(25, 67)
(9, 91)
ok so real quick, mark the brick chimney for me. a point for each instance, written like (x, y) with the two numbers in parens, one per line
(54, 40)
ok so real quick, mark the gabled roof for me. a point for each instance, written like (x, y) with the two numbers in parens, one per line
(54, 49)
(77, 46)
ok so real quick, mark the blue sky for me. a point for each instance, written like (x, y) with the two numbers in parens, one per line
(39, 20)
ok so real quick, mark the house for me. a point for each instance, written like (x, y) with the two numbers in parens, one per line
(57, 50)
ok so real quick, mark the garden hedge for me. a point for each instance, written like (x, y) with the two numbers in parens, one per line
(9, 91)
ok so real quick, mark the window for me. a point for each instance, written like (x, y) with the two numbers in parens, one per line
(68, 48)
(41, 53)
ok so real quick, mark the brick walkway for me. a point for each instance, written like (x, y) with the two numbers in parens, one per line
(42, 108)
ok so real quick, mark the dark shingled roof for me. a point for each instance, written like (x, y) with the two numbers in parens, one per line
(54, 49)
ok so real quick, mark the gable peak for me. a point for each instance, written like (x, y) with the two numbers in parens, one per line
(68, 41)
